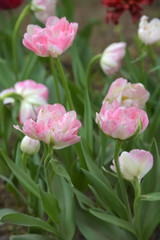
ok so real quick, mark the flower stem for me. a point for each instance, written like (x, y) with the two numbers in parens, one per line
(64, 82)
(14, 38)
(137, 190)
(93, 60)
(120, 179)
(55, 79)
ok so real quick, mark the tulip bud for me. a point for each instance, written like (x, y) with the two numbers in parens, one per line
(136, 163)
(149, 32)
(8, 4)
(29, 145)
(43, 9)
(111, 58)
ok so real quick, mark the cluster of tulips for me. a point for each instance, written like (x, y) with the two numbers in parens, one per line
(48, 172)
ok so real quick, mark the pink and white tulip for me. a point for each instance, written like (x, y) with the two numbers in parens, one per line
(120, 122)
(33, 96)
(5, 96)
(29, 146)
(111, 58)
(43, 9)
(53, 40)
(136, 163)
(127, 94)
(149, 32)
(53, 126)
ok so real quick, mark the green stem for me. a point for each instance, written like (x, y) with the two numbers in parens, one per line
(3, 125)
(24, 159)
(137, 189)
(14, 38)
(142, 70)
(120, 178)
(38, 170)
(46, 165)
(64, 82)
(91, 63)
(55, 78)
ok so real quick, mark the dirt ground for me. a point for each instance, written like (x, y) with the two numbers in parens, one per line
(105, 34)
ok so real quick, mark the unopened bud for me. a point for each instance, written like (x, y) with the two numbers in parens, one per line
(29, 145)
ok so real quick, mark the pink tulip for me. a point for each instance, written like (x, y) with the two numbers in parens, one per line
(120, 122)
(53, 126)
(111, 58)
(53, 40)
(33, 96)
(136, 163)
(127, 94)
(43, 9)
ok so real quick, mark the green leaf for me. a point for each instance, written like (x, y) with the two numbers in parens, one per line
(50, 205)
(7, 77)
(93, 168)
(107, 195)
(114, 220)
(13, 217)
(88, 122)
(149, 209)
(24, 179)
(28, 66)
(29, 237)
(60, 170)
(4, 170)
(93, 228)
(78, 71)
(150, 197)
(14, 188)
(83, 200)
(64, 195)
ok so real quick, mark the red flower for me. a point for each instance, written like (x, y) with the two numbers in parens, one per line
(115, 8)
(7, 4)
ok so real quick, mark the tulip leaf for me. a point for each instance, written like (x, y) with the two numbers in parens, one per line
(24, 179)
(83, 200)
(50, 205)
(15, 190)
(28, 66)
(93, 168)
(107, 195)
(60, 170)
(150, 197)
(64, 195)
(12, 217)
(88, 122)
(149, 206)
(113, 220)
(94, 228)
(29, 237)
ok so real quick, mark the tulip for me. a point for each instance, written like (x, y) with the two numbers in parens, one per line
(53, 126)
(53, 40)
(136, 163)
(149, 32)
(43, 9)
(9, 4)
(110, 61)
(127, 94)
(5, 96)
(29, 145)
(120, 122)
(33, 95)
